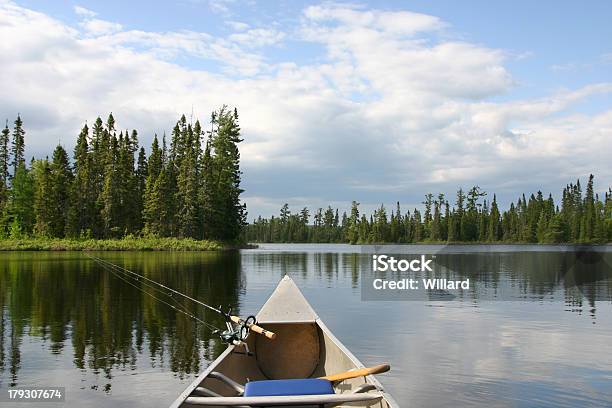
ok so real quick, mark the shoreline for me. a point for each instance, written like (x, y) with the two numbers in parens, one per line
(440, 243)
(433, 248)
(122, 244)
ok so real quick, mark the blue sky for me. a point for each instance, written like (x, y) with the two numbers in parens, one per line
(568, 36)
(378, 101)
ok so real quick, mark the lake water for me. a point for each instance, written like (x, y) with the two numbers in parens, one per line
(547, 341)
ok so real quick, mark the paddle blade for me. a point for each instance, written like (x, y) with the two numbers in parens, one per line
(361, 372)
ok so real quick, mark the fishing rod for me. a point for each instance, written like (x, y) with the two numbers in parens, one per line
(237, 328)
(181, 310)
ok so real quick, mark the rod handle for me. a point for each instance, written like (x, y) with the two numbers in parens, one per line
(361, 372)
(253, 327)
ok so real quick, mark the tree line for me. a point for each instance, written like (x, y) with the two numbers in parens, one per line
(579, 219)
(112, 189)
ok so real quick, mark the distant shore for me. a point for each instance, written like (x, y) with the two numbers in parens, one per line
(124, 244)
(440, 247)
(443, 243)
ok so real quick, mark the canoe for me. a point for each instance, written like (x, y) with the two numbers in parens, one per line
(303, 348)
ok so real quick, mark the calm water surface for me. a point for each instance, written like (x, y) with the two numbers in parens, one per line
(66, 321)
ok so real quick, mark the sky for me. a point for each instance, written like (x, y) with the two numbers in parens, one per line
(375, 102)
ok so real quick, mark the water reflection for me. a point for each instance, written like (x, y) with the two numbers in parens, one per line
(107, 337)
(61, 298)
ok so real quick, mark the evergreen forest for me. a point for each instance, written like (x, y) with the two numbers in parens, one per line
(112, 189)
(580, 218)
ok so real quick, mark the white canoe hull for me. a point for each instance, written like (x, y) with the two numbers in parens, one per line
(304, 348)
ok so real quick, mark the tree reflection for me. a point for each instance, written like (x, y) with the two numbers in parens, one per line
(57, 297)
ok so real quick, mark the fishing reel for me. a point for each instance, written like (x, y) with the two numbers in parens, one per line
(236, 333)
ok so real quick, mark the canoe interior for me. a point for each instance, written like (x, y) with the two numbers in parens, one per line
(331, 358)
(304, 348)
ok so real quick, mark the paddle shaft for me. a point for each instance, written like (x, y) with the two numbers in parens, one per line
(361, 372)
(253, 327)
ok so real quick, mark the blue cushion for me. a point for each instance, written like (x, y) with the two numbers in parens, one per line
(308, 386)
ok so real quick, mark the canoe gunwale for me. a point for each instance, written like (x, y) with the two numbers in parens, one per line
(196, 383)
(284, 400)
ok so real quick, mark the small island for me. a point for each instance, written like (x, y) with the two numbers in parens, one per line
(112, 196)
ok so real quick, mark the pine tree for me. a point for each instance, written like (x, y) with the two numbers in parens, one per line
(61, 181)
(588, 216)
(470, 220)
(353, 224)
(453, 230)
(304, 218)
(156, 208)
(155, 162)
(172, 159)
(229, 213)
(186, 158)
(81, 218)
(607, 215)
(128, 213)
(494, 232)
(21, 205)
(149, 205)
(154, 211)
(4, 166)
(446, 225)
(542, 229)
(427, 216)
(328, 223)
(444, 217)
(197, 152)
(599, 232)
(364, 230)
(380, 227)
(483, 222)
(18, 147)
(556, 230)
(510, 228)
(207, 190)
(141, 182)
(577, 211)
(458, 234)
(100, 147)
(109, 197)
(43, 198)
(417, 226)
(436, 224)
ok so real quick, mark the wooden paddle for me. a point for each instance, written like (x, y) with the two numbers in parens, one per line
(253, 327)
(361, 372)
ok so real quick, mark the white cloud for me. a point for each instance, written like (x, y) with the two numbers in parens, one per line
(237, 25)
(82, 11)
(378, 48)
(388, 112)
(98, 27)
(220, 6)
(395, 23)
(258, 37)
(94, 26)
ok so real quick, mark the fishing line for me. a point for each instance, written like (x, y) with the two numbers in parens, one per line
(137, 279)
(108, 266)
(157, 283)
(235, 333)
(210, 326)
